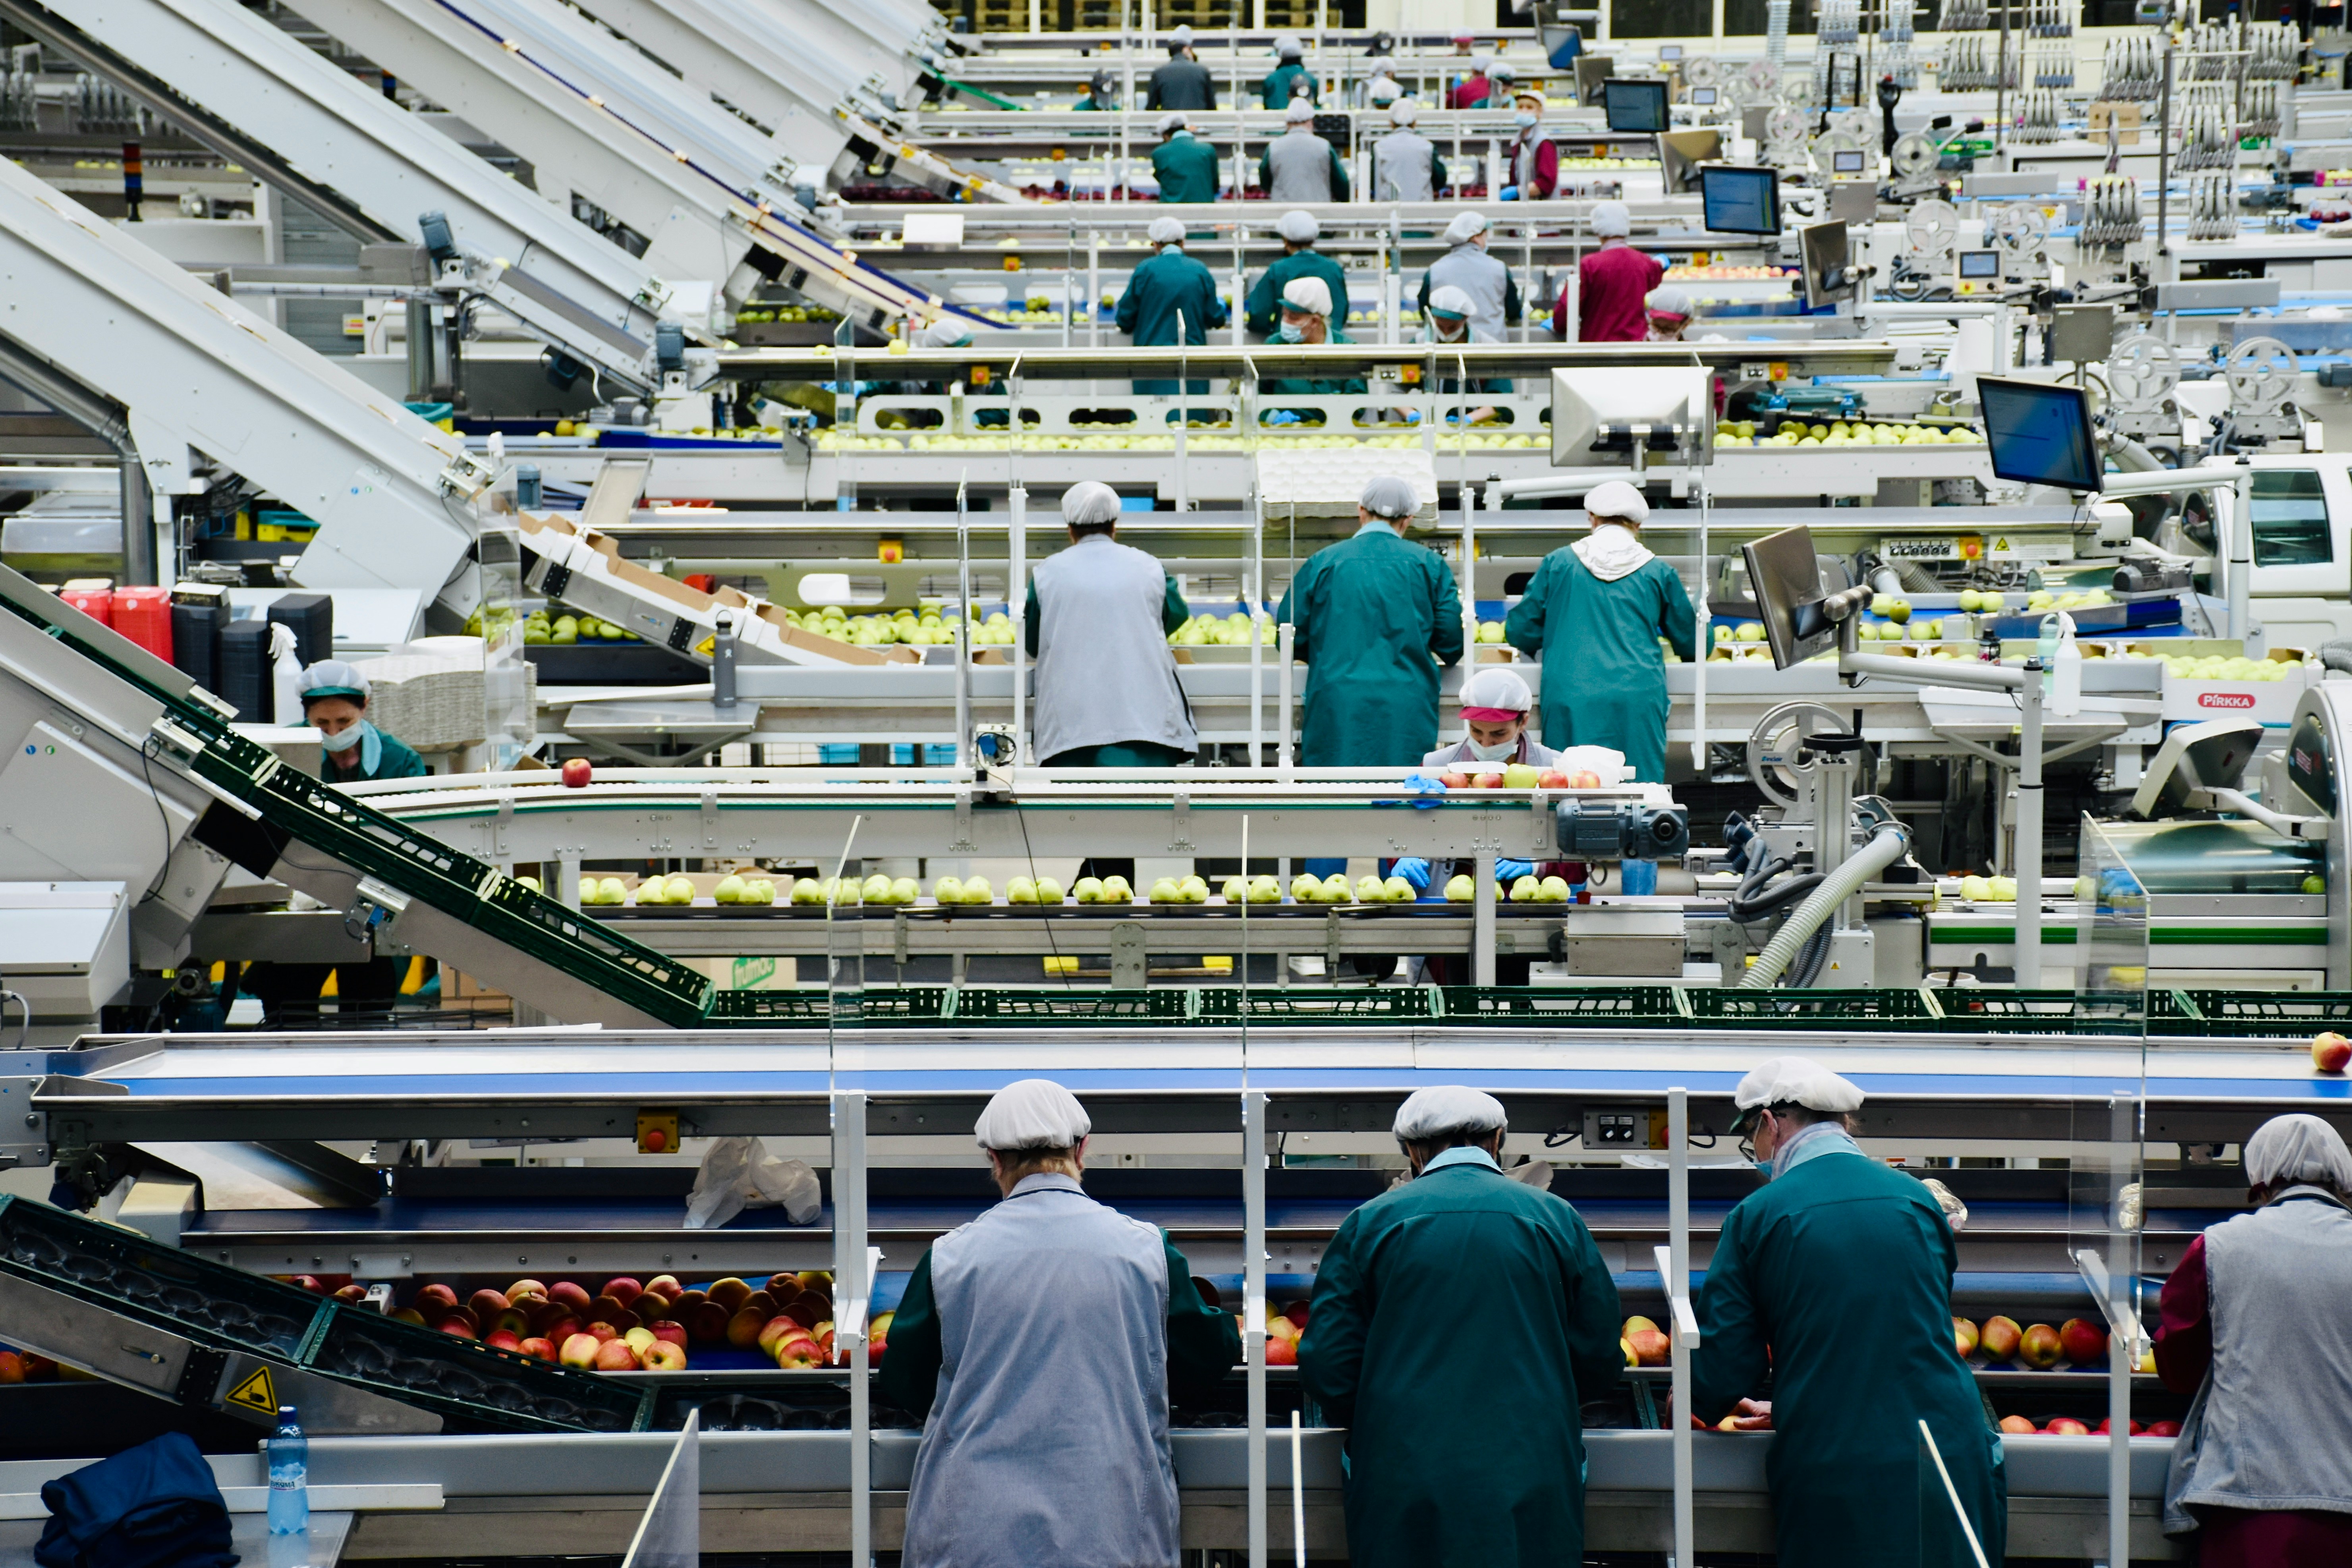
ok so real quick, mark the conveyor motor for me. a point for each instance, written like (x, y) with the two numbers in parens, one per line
(1621, 830)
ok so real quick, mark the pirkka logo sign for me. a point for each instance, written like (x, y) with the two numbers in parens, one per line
(2225, 700)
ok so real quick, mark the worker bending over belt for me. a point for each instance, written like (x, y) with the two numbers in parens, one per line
(1041, 1342)
(2253, 1324)
(1459, 1321)
(1835, 1282)
(1495, 703)
(1300, 166)
(1613, 284)
(1170, 300)
(1595, 611)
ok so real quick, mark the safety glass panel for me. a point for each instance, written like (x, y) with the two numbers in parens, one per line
(508, 727)
(2289, 517)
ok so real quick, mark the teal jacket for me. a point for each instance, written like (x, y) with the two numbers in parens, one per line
(382, 756)
(1458, 1323)
(1276, 91)
(1158, 289)
(1262, 310)
(1186, 169)
(1605, 681)
(1309, 386)
(1375, 615)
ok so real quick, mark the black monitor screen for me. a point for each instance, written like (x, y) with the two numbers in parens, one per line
(1634, 106)
(2040, 434)
(1980, 263)
(1740, 201)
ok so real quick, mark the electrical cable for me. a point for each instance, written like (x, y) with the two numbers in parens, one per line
(1069, 974)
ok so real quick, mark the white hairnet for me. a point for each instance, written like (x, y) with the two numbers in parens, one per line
(1794, 1080)
(1183, 36)
(1301, 112)
(947, 332)
(1298, 227)
(1289, 48)
(1034, 1113)
(1452, 299)
(1384, 89)
(1308, 294)
(1166, 231)
(1671, 300)
(1442, 1113)
(1482, 65)
(1089, 503)
(1612, 219)
(1498, 71)
(1172, 123)
(334, 678)
(1497, 686)
(1616, 498)
(1404, 112)
(1465, 227)
(1390, 496)
(2298, 1147)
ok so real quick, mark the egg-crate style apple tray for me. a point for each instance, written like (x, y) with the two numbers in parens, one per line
(226, 1308)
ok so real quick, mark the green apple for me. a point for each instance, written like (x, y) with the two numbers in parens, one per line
(1165, 892)
(589, 893)
(1369, 890)
(1193, 890)
(1020, 891)
(1399, 891)
(1525, 889)
(1235, 890)
(1089, 890)
(610, 891)
(1460, 889)
(1306, 889)
(904, 890)
(876, 890)
(1749, 631)
(1049, 891)
(2315, 884)
(808, 890)
(1976, 889)
(1335, 888)
(1898, 611)
(730, 890)
(1925, 631)
(1556, 890)
(1115, 890)
(976, 890)
(948, 890)
(1520, 776)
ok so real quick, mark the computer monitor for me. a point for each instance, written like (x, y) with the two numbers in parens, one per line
(1591, 71)
(1639, 106)
(1680, 154)
(1846, 163)
(1670, 51)
(1980, 266)
(2041, 435)
(1828, 264)
(1786, 576)
(1740, 201)
(1704, 97)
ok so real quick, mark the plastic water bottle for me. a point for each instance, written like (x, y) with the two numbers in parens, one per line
(290, 1476)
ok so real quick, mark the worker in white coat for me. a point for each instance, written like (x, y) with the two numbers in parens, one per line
(1467, 267)
(1405, 164)
(1041, 1343)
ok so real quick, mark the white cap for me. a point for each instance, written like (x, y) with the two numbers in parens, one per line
(1172, 123)
(1612, 219)
(1166, 231)
(947, 332)
(1794, 1080)
(2298, 1147)
(1035, 1113)
(334, 678)
(1308, 294)
(1497, 686)
(1390, 496)
(1301, 112)
(1089, 503)
(1404, 112)
(1298, 227)
(1482, 65)
(1465, 227)
(1183, 36)
(1384, 89)
(1498, 71)
(1614, 500)
(1442, 1113)
(1451, 300)
(1671, 300)
(1289, 48)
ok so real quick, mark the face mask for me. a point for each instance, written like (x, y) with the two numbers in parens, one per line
(345, 740)
(1494, 753)
(1289, 332)
(1451, 331)
(1524, 121)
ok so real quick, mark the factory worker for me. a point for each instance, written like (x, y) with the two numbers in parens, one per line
(1102, 92)
(1463, 44)
(1374, 617)
(1473, 90)
(1531, 159)
(1185, 167)
(1459, 1320)
(1300, 166)
(1309, 318)
(947, 332)
(1405, 164)
(2253, 1324)
(1261, 309)
(334, 700)
(1613, 284)
(1041, 1342)
(1448, 316)
(1170, 298)
(1670, 308)
(1382, 92)
(1184, 82)
(1595, 610)
(1494, 293)
(1834, 1281)
(1289, 80)
(1495, 703)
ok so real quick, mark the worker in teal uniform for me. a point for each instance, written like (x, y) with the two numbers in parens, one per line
(334, 701)
(1186, 168)
(1170, 298)
(1299, 258)
(1307, 318)
(1465, 1444)
(1289, 79)
(1595, 611)
(1835, 1281)
(1373, 618)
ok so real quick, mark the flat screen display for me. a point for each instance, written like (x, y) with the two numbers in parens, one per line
(1845, 162)
(1634, 106)
(1702, 95)
(1740, 201)
(2040, 434)
(1979, 264)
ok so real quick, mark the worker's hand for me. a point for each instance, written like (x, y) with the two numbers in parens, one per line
(1428, 795)
(1509, 872)
(1413, 869)
(1482, 415)
(1748, 1415)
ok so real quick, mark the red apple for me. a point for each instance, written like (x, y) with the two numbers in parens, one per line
(502, 1339)
(12, 1367)
(808, 1309)
(2164, 1428)
(729, 1292)
(523, 1291)
(1280, 1351)
(456, 1326)
(607, 1307)
(515, 1320)
(352, 1293)
(460, 1315)
(1964, 1337)
(776, 1328)
(1452, 779)
(2330, 1051)
(624, 1289)
(2039, 1349)
(2083, 1341)
(564, 1292)
(306, 1283)
(1652, 1347)
(670, 1332)
(1489, 781)
(536, 1349)
(743, 1328)
(798, 1352)
(666, 1284)
(435, 1293)
(485, 1305)
(2065, 1426)
(2106, 1426)
(576, 772)
(614, 1355)
(2000, 1338)
(1551, 778)
(562, 1327)
(580, 1350)
(708, 1324)
(1296, 1311)
(665, 1356)
(1584, 778)
(604, 1331)
(40, 1368)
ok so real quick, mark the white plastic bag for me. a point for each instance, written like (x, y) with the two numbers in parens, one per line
(285, 675)
(738, 1174)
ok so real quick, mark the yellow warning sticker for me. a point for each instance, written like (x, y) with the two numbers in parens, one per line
(255, 1393)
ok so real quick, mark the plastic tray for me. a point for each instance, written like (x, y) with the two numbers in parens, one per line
(425, 1366)
(813, 1009)
(2267, 1015)
(1169, 1004)
(1569, 1006)
(1990, 1010)
(1778, 1009)
(1272, 1005)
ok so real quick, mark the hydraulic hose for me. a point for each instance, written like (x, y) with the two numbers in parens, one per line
(1885, 847)
(2336, 655)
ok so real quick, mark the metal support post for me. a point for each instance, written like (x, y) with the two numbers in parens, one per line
(1254, 1309)
(567, 874)
(1253, 586)
(1283, 750)
(1482, 918)
(2028, 855)
(1016, 601)
(854, 1280)
(1094, 290)
(963, 758)
(1674, 1262)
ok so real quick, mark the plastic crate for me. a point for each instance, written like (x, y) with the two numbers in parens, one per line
(1990, 1010)
(2266, 1014)
(124, 1272)
(1380, 1004)
(813, 1009)
(1791, 1009)
(1007, 1005)
(1571, 1006)
(424, 1366)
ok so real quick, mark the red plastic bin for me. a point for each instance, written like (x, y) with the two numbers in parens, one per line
(96, 603)
(145, 615)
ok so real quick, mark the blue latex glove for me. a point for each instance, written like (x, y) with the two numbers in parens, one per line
(1510, 194)
(1413, 869)
(1428, 792)
(1280, 417)
(1509, 872)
